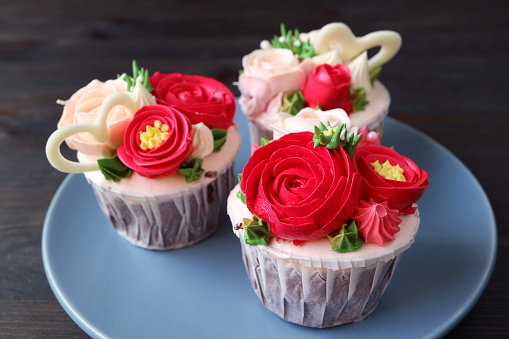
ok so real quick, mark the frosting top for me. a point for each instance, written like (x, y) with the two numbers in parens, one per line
(324, 69)
(318, 253)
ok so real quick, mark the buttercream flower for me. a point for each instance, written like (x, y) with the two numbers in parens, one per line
(308, 118)
(203, 141)
(267, 73)
(200, 98)
(329, 87)
(83, 107)
(302, 192)
(401, 182)
(376, 222)
(157, 141)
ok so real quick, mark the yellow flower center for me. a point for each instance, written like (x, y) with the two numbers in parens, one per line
(388, 171)
(330, 131)
(153, 136)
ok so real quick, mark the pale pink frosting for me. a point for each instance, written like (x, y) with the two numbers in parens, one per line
(83, 107)
(268, 73)
(308, 118)
(376, 222)
(368, 138)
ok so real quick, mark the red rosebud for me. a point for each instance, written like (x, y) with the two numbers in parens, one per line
(200, 98)
(398, 194)
(329, 87)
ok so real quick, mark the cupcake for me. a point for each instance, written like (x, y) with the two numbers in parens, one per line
(323, 219)
(157, 150)
(323, 69)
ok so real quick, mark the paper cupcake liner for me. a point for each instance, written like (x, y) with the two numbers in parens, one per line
(316, 297)
(177, 219)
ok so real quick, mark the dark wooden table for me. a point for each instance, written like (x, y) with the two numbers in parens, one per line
(449, 81)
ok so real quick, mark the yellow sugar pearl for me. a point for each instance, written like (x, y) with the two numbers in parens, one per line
(388, 171)
(153, 136)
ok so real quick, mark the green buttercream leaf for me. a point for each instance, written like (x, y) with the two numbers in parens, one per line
(374, 74)
(256, 231)
(191, 170)
(332, 138)
(219, 138)
(290, 40)
(358, 99)
(346, 238)
(293, 103)
(241, 195)
(264, 142)
(131, 81)
(113, 169)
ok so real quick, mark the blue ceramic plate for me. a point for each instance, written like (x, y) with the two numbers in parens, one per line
(111, 288)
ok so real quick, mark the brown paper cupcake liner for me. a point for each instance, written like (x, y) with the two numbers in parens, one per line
(316, 297)
(178, 219)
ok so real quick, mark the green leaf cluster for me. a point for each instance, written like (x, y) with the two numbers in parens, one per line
(374, 74)
(290, 40)
(346, 238)
(293, 103)
(192, 170)
(219, 138)
(358, 99)
(113, 169)
(332, 138)
(241, 195)
(256, 231)
(131, 81)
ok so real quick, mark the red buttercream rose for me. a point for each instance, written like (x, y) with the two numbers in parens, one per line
(303, 193)
(398, 194)
(329, 87)
(164, 159)
(200, 98)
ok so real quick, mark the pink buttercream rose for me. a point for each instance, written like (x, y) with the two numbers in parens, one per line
(83, 107)
(268, 73)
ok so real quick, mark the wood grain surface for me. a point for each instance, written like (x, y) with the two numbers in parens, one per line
(449, 81)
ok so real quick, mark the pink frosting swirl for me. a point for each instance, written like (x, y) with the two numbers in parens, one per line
(376, 222)
(83, 107)
(165, 159)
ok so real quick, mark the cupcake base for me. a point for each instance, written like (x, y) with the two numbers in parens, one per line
(164, 222)
(316, 297)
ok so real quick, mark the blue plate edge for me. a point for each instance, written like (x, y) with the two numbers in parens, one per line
(85, 326)
(469, 303)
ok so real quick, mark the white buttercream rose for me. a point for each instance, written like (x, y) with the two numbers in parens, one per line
(268, 73)
(83, 107)
(308, 118)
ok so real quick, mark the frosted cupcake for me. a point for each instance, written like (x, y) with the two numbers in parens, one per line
(323, 220)
(324, 69)
(158, 152)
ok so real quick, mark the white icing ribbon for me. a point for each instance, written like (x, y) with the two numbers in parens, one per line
(98, 130)
(351, 46)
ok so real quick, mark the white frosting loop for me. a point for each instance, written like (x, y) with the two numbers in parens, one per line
(351, 46)
(98, 130)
